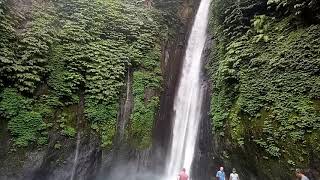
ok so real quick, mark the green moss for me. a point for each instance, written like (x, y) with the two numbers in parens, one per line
(67, 121)
(265, 88)
(237, 130)
(57, 146)
(145, 107)
(103, 118)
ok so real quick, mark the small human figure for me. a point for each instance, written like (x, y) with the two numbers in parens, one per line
(300, 175)
(220, 174)
(234, 175)
(183, 175)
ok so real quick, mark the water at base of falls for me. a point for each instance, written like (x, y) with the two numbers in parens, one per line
(188, 101)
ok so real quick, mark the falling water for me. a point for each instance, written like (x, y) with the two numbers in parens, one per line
(126, 110)
(75, 160)
(187, 105)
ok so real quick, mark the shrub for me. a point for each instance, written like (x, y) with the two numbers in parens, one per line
(26, 127)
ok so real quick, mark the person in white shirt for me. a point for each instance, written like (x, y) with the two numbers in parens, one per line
(300, 175)
(234, 175)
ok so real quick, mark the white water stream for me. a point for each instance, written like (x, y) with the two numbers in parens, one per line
(75, 160)
(187, 104)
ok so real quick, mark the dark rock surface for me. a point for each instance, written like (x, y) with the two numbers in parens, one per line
(60, 164)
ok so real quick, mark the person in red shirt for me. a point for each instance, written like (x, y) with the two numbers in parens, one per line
(183, 175)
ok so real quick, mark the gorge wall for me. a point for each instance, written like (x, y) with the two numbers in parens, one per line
(87, 87)
(264, 69)
(81, 83)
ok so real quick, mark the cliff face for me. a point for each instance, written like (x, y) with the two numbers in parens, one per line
(81, 85)
(151, 159)
(87, 88)
(264, 72)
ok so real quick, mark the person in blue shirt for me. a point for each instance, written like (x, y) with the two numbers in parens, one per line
(220, 174)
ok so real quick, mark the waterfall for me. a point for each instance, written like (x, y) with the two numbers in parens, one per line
(75, 160)
(126, 110)
(187, 103)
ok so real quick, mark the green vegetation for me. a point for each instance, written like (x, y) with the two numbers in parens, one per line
(300, 8)
(103, 119)
(12, 103)
(264, 68)
(265, 73)
(145, 107)
(7, 39)
(66, 122)
(68, 49)
(25, 125)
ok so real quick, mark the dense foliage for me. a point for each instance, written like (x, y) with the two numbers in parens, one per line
(26, 122)
(307, 9)
(265, 74)
(76, 48)
(144, 106)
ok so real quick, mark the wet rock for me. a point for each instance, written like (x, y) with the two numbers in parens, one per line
(63, 165)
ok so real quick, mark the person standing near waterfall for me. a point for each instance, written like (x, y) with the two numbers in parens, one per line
(183, 175)
(220, 174)
(234, 175)
(300, 175)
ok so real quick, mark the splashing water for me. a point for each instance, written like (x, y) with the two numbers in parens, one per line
(187, 105)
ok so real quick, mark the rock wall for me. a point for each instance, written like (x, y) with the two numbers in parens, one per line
(57, 160)
(263, 92)
(152, 159)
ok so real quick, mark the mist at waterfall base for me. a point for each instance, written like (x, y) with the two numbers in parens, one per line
(130, 172)
(187, 108)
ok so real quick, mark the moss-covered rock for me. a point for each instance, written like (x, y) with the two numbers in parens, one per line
(265, 90)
